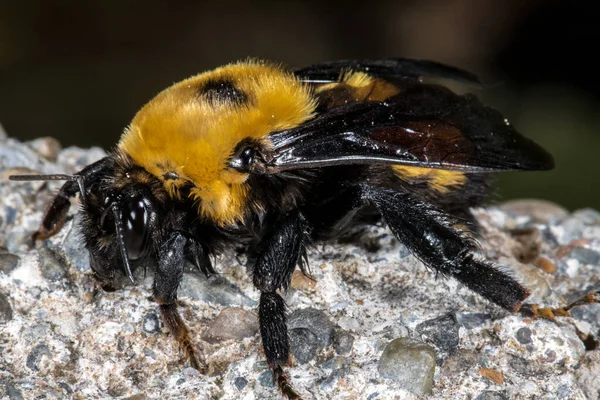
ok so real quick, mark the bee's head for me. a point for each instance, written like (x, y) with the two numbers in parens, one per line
(122, 221)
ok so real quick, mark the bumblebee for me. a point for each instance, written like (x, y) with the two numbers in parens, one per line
(272, 160)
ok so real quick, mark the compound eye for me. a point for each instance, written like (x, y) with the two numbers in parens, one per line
(137, 226)
(242, 160)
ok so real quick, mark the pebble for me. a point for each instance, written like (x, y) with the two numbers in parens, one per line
(471, 320)
(342, 342)
(6, 312)
(316, 321)
(240, 383)
(588, 216)
(442, 332)
(410, 363)
(47, 147)
(216, 290)
(492, 395)
(303, 344)
(34, 357)
(150, 323)
(540, 211)
(231, 324)
(53, 267)
(585, 255)
(74, 247)
(266, 379)
(523, 335)
(7, 388)
(8, 262)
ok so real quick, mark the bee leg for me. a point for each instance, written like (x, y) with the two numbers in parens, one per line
(435, 238)
(279, 253)
(57, 212)
(169, 271)
(551, 313)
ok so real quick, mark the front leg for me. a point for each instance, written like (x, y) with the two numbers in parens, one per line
(279, 253)
(169, 271)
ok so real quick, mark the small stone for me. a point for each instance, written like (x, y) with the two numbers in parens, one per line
(190, 372)
(150, 323)
(442, 332)
(231, 324)
(523, 335)
(315, 321)
(372, 396)
(65, 387)
(302, 282)
(585, 255)
(491, 395)
(216, 290)
(410, 363)
(266, 379)
(8, 262)
(6, 312)
(303, 344)
(545, 265)
(491, 375)
(34, 357)
(240, 383)
(74, 248)
(471, 320)
(47, 147)
(540, 211)
(588, 216)
(8, 388)
(343, 342)
(53, 268)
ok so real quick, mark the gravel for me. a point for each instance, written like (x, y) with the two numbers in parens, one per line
(374, 323)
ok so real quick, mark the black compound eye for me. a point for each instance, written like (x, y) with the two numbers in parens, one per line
(136, 223)
(242, 160)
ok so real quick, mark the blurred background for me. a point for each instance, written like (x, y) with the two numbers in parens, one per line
(78, 71)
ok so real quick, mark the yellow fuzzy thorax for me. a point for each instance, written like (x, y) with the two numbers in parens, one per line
(180, 133)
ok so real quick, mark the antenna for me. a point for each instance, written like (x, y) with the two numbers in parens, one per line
(54, 177)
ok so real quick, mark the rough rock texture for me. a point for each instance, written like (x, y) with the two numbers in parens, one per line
(60, 337)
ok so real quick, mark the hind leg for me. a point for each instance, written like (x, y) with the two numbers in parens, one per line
(439, 240)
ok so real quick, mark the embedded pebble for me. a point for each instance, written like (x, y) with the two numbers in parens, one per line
(266, 379)
(303, 344)
(74, 247)
(34, 358)
(523, 335)
(150, 323)
(6, 312)
(7, 388)
(316, 321)
(216, 290)
(231, 324)
(53, 268)
(539, 211)
(410, 363)
(471, 320)
(343, 342)
(47, 147)
(8, 262)
(492, 395)
(240, 382)
(586, 256)
(442, 332)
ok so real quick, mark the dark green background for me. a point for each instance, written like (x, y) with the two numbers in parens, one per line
(78, 70)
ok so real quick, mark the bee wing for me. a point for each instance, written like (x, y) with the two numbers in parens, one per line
(391, 69)
(425, 126)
